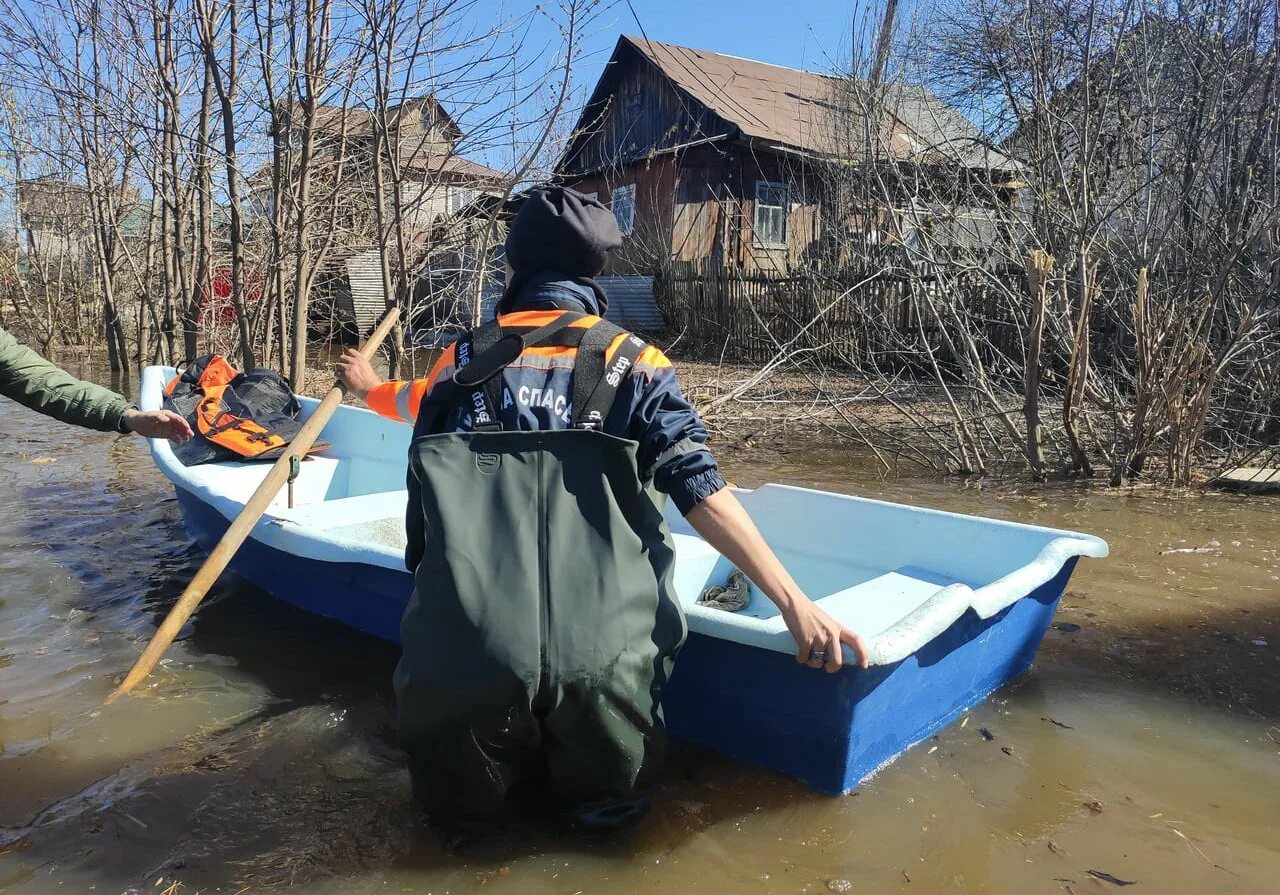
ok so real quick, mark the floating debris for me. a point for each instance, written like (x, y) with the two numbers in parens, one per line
(1094, 805)
(1056, 722)
(986, 734)
(1066, 627)
(1107, 877)
(839, 885)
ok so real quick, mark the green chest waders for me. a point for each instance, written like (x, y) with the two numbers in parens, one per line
(543, 623)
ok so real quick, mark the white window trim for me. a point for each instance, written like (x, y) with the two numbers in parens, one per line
(629, 191)
(786, 214)
(455, 193)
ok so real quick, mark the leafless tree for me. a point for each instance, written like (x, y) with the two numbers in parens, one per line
(1089, 280)
(221, 155)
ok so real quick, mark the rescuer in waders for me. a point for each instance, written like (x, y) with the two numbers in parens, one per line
(543, 622)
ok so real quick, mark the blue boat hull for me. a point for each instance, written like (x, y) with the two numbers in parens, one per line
(833, 730)
(368, 598)
(830, 731)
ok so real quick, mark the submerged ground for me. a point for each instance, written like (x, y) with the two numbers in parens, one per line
(1144, 747)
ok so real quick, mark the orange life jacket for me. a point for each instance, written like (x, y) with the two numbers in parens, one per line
(219, 403)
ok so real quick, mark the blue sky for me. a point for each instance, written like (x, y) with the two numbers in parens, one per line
(810, 34)
(798, 34)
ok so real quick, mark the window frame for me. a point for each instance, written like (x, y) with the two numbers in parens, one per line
(757, 235)
(628, 190)
(456, 193)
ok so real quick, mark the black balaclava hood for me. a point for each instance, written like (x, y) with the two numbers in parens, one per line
(560, 229)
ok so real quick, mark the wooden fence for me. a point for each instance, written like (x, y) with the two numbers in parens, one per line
(850, 318)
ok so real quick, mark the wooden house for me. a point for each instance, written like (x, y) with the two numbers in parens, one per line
(435, 181)
(440, 193)
(727, 161)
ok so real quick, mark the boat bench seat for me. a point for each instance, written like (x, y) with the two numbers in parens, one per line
(364, 519)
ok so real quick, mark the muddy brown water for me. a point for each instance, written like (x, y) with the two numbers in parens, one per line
(1144, 747)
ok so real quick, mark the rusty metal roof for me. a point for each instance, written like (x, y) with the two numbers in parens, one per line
(464, 170)
(797, 109)
(766, 102)
(359, 120)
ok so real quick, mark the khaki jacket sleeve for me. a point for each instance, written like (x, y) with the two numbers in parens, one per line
(29, 379)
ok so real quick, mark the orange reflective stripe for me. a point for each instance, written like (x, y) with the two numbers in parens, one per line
(650, 359)
(541, 318)
(399, 399)
(550, 351)
(447, 358)
(416, 391)
(653, 357)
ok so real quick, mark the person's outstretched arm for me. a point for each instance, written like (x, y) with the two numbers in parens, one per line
(673, 449)
(725, 525)
(34, 382)
(396, 399)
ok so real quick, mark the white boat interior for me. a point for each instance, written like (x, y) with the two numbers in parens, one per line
(898, 575)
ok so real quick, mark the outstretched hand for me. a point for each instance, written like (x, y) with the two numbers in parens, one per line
(158, 424)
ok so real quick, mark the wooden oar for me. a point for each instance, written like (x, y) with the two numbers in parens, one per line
(244, 523)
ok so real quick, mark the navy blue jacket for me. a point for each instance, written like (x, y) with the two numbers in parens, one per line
(649, 409)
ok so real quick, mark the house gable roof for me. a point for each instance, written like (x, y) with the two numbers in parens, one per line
(361, 121)
(789, 109)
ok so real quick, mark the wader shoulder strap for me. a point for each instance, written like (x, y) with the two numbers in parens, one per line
(489, 351)
(595, 383)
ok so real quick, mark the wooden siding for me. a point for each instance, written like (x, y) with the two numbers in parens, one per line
(642, 114)
(701, 205)
(693, 202)
(649, 243)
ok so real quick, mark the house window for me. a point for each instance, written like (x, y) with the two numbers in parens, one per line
(624, 208)
(772, 202)
(460, 197)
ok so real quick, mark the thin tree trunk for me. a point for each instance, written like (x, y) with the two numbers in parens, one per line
(1038, 265)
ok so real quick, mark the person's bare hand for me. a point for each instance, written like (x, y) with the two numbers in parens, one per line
(356, 374)
(819, 637)
(158, 424)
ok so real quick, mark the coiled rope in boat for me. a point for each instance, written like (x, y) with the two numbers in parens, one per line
(730, 597)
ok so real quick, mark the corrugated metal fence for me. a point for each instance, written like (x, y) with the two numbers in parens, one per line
(631, 303)
(366, 302)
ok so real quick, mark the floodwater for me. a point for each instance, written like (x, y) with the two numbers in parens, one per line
(1144, 747)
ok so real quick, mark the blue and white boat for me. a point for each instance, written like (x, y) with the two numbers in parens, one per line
(951, 606)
